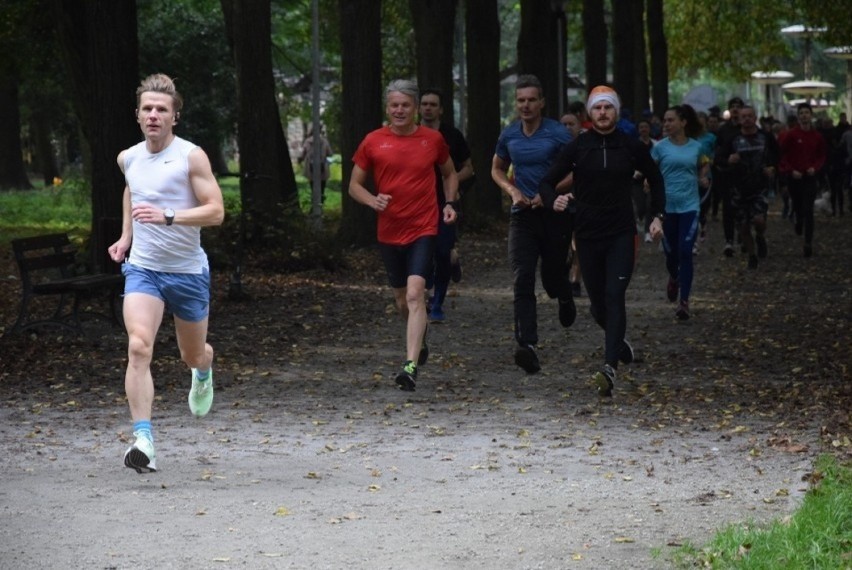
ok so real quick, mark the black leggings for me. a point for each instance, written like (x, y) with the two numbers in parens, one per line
(607, 266)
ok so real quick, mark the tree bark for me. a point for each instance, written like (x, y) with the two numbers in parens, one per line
(361, 60)
(99, 46)
(13, 173)
(269, 195)
(595, 40)
(641, 90)
(434, 27)
(538, 48)
(623, 30)
(659, 57)
(482, 30)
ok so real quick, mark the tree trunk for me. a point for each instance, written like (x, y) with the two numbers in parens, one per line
(361, 59)
(641, 90)
(538, 50)
(482, 30)
(99, 46)
(267, 181)
(623, 30)
(434, 27)
(659, 57)
(595, 40)
(13, 173)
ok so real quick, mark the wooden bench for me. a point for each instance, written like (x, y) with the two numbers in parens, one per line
(47, 267)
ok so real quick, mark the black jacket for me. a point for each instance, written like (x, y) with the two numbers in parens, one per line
(603, 167)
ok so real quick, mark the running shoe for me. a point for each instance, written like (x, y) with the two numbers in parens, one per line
(672, 289)
(729, 249)
(436, 315)
(201, 394)
(605, 381)
(808, 250)
(141, 455)
(526, 358)
(752, 262)
(407, 377)
(567, 312)
(761, 246)
(455, 266)
(625, 353)
(683, 310)
(648, 238)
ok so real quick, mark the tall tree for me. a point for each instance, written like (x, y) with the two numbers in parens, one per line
(623, 32)
(482, 32)
(99, 46)
(434, 27)
(659, 52)
(13, 44)
(641, 89)
(361, 60)
(538, 50)
(595, 40)
(267, 181)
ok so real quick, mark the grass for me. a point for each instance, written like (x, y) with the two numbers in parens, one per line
(66, 207)
(818, 535)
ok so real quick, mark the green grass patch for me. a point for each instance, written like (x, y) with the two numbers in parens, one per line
(818, 535)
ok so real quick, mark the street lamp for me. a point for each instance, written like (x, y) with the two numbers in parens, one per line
(770, 79)
(844, 52)
(807, 34)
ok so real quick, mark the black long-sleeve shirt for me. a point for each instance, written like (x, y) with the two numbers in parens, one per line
(603, 167)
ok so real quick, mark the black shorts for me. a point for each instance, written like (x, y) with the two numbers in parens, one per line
(750, 207)
(402, 261)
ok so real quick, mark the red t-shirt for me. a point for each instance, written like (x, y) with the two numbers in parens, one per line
(404, 168)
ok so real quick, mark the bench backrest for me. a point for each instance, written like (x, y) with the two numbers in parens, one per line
(52, 254)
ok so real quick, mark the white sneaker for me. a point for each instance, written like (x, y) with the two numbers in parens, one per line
(141, 455)
(648, 238)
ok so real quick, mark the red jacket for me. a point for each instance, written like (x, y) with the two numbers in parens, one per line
(801, 150)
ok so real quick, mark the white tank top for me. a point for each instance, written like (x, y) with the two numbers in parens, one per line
(162, 180)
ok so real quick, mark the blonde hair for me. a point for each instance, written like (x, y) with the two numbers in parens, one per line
(160, 83)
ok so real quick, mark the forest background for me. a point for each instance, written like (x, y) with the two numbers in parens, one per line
(70, 69)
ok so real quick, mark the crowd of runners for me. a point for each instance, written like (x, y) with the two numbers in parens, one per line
(583, 191)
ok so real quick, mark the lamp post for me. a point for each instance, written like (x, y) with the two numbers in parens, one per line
(770, 79)
(807, 34)
(844, 52)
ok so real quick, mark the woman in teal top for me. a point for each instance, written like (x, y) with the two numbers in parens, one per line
(683, 164)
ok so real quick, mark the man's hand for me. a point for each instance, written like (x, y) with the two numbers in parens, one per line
(560, 204)
(380, 203)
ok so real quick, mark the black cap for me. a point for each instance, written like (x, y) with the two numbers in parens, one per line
(735, 101)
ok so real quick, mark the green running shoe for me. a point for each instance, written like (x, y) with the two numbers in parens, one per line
(201, 395)
(141, 455)
(407, 378)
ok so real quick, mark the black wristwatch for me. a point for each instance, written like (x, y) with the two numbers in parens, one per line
(454, 204)
(169, 214)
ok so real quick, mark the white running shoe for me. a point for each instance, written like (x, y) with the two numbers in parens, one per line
(141, 455)
(201, 394)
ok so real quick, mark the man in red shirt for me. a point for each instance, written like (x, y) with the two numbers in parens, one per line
(803, 154)
(402, 157)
